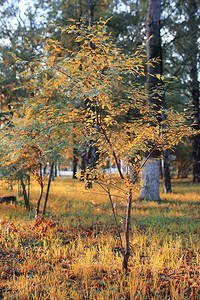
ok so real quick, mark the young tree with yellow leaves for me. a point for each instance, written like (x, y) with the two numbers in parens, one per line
(88, 93)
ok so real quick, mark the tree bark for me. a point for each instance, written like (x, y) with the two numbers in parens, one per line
(40, 181)
(193, 36)
(166, 174)
(196, 159)
(91, 161)
(92, 4)
(75, 163)
(55, 170)
(91, 151)
(154, 51)
(48, 188)
(83, 162)
(127, 233)
(165, 159)
(150, 180)
(150, 172)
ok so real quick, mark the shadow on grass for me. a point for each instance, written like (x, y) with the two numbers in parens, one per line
(180, 202)
(175, 226)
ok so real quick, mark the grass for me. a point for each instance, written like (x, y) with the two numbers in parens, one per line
(74, 253)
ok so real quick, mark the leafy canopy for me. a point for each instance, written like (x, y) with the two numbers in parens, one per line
(90, 93)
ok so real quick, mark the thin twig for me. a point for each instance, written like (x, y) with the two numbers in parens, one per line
(113, 151)
(101, 193)
(103, 208)
(116, 187)
(24, 221)
(101, 185)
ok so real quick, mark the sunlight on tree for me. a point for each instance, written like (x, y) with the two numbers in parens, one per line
(91, 94)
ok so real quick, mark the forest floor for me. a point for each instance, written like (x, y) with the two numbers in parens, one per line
(74, 253)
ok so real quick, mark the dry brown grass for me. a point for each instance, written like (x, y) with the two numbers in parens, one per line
(74, 253)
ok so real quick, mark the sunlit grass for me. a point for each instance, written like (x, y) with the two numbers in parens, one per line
(75, 255)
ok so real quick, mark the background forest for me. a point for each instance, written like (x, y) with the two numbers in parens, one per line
(26, 26)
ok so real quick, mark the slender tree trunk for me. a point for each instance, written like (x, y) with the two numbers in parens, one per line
(150, 172)
(83, 162)
(52, 174)
(193, 36)
(56, 170)
(125, 252)
(29, 183)
(11, 185)
(165, 159)
(45, 170)
(196, 157)
(92, 5)
(26, 199)
(40, 181)
(166, 174)
(75, 163)
(85, 152)
(91, 161)
(39, 200)
(91, 151)
(127, 232)
(48, 188)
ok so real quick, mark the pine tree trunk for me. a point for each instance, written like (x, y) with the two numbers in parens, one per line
(166, 173)
(150, 172)
(150, 180)
(165, 160)
(193, 36)
(196, 159)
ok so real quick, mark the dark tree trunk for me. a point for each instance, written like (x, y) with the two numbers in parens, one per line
(40, 181)
(56, 170)
(48, 188)
(127, 232)
(90, 152)
(45, 170)
(52, 174)
(29, 183)
(83, 162)
(150, 173)
(196, 156)
(39, 200)
(75, 163)
(26, 198)
(92, 5)
(154, 51)
(165, 159)
(91, 161)
(166, 174)
(193, 36)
